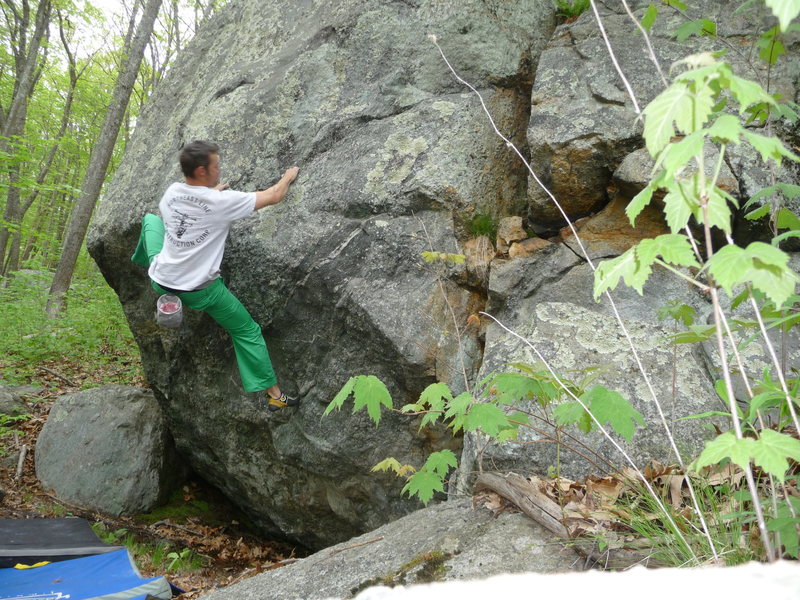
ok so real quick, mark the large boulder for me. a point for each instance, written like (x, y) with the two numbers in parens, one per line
(444, 542)
(108, 449)
(395, 157)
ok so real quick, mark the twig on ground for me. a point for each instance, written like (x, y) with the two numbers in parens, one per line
(186, 529)
(21, 462)
(59, 375)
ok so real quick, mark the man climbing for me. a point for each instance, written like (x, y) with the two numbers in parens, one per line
(183, 250)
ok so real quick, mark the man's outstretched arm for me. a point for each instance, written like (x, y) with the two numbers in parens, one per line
(277, 192)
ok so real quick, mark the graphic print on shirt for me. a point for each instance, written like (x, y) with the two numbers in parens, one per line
(186, 228)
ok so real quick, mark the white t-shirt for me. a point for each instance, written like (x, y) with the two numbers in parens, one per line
(197, 220)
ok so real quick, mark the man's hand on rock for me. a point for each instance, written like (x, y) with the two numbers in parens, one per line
(291, 174)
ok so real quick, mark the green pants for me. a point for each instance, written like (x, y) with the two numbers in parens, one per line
(255, 367)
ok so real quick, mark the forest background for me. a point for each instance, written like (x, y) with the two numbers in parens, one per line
(67, 67)
(62, 64)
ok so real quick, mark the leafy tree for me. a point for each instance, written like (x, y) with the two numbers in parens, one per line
(100, 157)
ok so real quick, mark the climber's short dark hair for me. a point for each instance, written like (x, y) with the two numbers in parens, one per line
(196, 154)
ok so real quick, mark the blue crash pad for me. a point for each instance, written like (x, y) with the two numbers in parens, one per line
(110, 576)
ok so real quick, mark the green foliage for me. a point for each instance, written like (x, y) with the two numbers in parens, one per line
(697, 110)
(490, 412)
(430, 478)
(770, 452)
(569, 9)
(93, 329)
(700, 27)
(482, 224)
(368, 392)
(152, 555)
(606, 406)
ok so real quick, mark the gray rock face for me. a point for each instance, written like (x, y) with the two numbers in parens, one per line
(443, 542)
(393, 153)
(108, 449)
(583, 120)
(547, 299)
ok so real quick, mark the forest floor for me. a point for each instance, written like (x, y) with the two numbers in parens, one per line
(199, 541)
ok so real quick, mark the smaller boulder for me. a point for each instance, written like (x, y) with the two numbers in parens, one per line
(11, 403)
(108, 449)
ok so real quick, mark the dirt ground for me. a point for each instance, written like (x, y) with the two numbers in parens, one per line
(224, 549)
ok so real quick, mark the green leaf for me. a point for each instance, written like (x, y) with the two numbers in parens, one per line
(340, 398)
(649, 17)
(487, 417)
(677, 155)
(786, 219)
(679, 312)
(728, 266)
(718, 212)
(511, 387)
(609, 272)
(770, 46)
(661, 113)
(434, 397)
(679, 4)
(424, 484)
(724, 446)
(726, 128)
(457, 410)
(699, 27)
(638, 203)
(674, 248)
(513, 429)
(706, 415)
(769, 272)
(758, 213)
(610, 407)
(722, 391)
(679, 204)
(371, 392)
(441, 462)
(569, 413)
(772, 450)
(785, 236)
(787, 528)
(784, 10)
(748, 92)
(696, 333)
(769, 147)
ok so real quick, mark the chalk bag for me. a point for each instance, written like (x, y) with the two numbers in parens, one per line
(169, 311)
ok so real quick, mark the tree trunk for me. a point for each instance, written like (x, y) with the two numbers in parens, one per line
(21, 207)
(26, 71)
(99, 159)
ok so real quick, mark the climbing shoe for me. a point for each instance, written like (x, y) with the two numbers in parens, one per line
(274, 404)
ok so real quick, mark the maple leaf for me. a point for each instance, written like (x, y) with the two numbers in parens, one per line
(610, 407)
(368, 391)
(487, 417)
(434, 397)
(726, 445)
(423, 484)
(771, 450)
